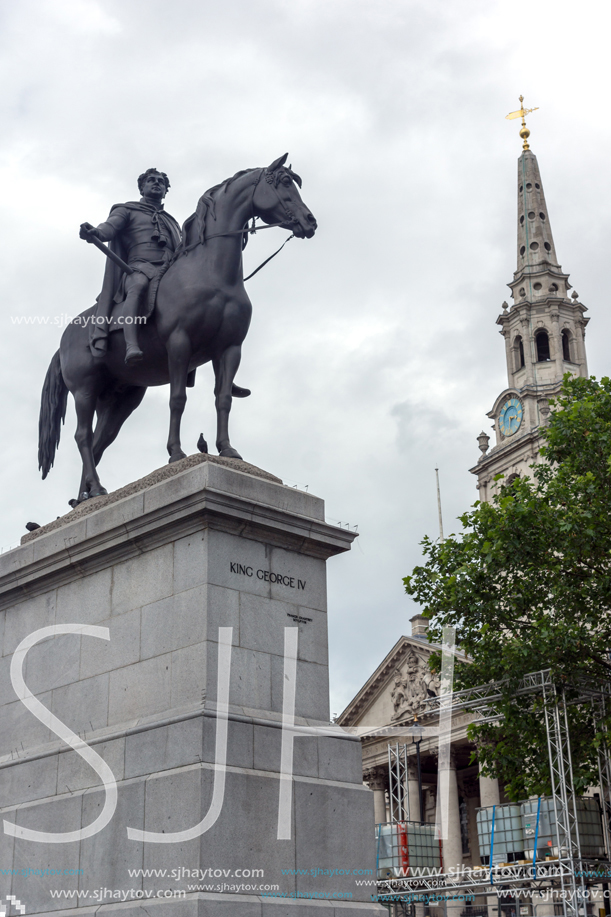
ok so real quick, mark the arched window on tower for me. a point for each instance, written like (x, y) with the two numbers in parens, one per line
(566, 346)
(518, 353)
(542, 342)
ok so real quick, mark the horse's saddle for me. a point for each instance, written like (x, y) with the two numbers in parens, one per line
(147, 305)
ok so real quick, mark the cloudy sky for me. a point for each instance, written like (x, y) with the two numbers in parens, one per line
(373, 353)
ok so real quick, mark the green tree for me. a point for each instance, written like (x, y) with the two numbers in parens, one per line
(527, 585)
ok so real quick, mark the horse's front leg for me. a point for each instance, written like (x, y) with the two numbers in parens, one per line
(225, 369)
(179, 354)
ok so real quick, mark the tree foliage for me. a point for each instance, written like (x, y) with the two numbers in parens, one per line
(527, 585)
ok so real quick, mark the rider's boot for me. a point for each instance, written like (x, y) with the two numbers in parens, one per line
(133, 354)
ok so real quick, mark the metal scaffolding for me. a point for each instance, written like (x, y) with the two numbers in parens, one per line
(572, 873)
(397, 783)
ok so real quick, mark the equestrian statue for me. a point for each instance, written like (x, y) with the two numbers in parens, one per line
(170, 302)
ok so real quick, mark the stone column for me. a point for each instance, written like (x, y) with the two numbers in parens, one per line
(489, 795)
(412, 792)
(452, 845)
(556, 344)
(580, 334)
(508, 351)
(377, 781)
(528, 344)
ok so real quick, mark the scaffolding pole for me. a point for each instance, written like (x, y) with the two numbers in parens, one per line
(397, 783)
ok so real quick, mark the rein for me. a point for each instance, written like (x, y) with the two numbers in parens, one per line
(246, 231)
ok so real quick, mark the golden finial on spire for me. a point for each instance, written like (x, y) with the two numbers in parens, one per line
(521, 113)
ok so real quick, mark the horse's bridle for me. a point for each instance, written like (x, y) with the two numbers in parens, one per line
(246, 231)
(290, 216)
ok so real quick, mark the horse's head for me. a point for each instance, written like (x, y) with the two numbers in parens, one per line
(277, 200)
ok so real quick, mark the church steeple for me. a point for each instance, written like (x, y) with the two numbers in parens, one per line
(543, 331)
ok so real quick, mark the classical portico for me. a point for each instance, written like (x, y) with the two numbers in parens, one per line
(396, 692)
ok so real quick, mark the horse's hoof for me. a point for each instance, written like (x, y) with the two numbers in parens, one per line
(238, 392)
(176, 458)
(100, 492)
(230, 452)
(73, 503)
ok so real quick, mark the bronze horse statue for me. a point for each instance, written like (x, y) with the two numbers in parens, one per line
(202, 314)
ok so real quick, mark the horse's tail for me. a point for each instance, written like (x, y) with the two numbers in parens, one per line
(52, 413)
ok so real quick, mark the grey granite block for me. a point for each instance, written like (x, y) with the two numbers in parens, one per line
(173, 803)
(140, 690)
(7, 692)
(86, 600)
(295, 908)
(262, 623)
(368, 909)
(312, 692)
(326, 816)
(7, 844)
(21, 730)
(191, 561)
(267, 748)
(26, 617)
(309, 586)
(54, 662)
(73, 772)
(223, 610)
(116, 515)
(313, 645)
(250, 677)
(249, 800)
(174, 622)
(188, 681)
(240, 750)
(340, 759)
(63, 814)
(164, 748)
(107, 856)
(143, 579)
(223, 905)
(123, 648)
(83, 706)
(27, 781)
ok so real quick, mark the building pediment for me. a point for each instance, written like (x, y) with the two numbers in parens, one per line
(397, 689)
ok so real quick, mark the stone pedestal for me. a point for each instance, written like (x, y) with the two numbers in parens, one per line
(207, 560)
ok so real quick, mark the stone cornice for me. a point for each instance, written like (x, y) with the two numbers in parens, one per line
(505, 451)
(206, 496)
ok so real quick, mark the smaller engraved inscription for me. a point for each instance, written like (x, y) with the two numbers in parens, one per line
(299, 619)
(267, 576)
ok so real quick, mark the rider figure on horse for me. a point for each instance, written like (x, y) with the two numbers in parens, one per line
(145, 236)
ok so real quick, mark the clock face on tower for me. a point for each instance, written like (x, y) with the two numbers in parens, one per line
(510, 418)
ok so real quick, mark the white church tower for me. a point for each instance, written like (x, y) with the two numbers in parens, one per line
(544, 333)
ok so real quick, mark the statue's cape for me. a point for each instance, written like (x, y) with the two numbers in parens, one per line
(112, 285)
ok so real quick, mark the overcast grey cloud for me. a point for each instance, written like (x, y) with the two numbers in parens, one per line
(373, 354)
